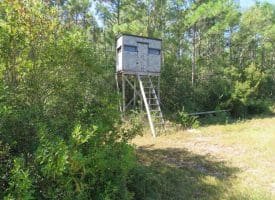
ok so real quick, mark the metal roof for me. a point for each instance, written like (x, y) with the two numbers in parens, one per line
(126, 34)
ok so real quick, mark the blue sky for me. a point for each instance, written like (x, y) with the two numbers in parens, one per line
(248, 3)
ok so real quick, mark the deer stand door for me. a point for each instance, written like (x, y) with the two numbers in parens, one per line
(142, 56)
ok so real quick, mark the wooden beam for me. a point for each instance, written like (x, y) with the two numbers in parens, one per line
(118, 92)
(135, 93)
(123, 93)
(129, 103)
(133, 87)
(208, 112)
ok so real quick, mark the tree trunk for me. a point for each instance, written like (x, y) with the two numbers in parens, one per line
(194, 55)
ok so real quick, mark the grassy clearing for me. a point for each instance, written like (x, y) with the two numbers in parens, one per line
(235, 161)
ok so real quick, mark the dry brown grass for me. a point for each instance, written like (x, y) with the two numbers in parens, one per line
(247, 146)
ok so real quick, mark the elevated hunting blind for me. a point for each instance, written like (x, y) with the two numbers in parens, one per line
(138, 64)
(138, 55)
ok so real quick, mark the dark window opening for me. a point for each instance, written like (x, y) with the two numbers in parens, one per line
(119, 49)
(154, 51)
(130, 48)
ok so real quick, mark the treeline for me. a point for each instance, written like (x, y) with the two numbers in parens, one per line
(216, 56)
(61, 135)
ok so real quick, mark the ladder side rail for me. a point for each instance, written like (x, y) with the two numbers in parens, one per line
(154, 92)
(147, 107)
(157, 99)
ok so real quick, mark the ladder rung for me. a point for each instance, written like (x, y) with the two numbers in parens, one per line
(151, 101)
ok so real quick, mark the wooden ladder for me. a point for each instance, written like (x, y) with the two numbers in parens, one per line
(151, 102)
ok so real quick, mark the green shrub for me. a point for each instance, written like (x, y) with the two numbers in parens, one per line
(20, 183)
(258, 106)
(6, 164)
(188, 121)
(131, 126)
(216, 118)
(245, 95)
(58, 111)
(144, 183)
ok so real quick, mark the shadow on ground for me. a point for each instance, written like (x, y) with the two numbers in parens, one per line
(174, 173)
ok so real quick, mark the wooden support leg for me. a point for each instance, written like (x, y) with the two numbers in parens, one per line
(123, 94)
(135, 92)
(118, 92)
(159, 89)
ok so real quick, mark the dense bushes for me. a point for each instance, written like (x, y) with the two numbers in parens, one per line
(61, 134)
(245, 91)
(188, 121)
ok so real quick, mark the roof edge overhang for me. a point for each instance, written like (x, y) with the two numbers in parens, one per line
(127, 34)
